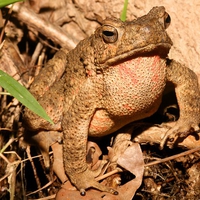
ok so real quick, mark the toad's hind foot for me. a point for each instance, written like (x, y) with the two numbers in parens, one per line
(86, 180)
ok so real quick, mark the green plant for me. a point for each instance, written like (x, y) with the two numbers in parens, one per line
(4, 3)
(22, 95)
(124, 11)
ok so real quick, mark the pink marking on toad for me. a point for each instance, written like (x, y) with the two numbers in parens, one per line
(128, 107)
(99, 123)
(155, 77)
(129, 73)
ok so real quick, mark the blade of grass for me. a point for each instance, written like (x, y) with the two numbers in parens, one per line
(22, 95)
(124, 11)
(4, 3)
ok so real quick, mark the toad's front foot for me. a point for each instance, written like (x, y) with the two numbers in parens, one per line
(180, 131)
(86, 180)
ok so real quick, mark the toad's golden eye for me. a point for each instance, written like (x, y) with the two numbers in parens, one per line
(109, 34)
(167, 20)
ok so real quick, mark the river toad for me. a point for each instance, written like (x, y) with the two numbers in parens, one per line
(114, 77)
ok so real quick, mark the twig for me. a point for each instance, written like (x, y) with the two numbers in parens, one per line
(53, 32)
(10, 141)
(6, 21)
(45, 186)
(173, 157)
(36, 54)
(46, 198)
(11, 172)
(34, 170)
(117, 170)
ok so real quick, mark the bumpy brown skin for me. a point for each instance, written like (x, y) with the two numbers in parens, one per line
(114, 77)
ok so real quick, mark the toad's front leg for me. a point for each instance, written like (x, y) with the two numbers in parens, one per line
(76, 121)
(188, 97)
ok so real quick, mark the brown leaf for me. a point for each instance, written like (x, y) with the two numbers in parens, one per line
(93, 153)
(131, 160)
(58, 166)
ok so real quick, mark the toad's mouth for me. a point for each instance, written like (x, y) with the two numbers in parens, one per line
(160, 50)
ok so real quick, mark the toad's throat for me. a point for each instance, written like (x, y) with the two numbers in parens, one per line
(161, 50)
(132, 91)
(134, 81)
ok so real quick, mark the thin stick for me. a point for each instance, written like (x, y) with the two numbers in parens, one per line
(173, 157)
(53, 32)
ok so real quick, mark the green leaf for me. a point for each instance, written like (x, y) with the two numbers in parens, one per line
(22, 95)
(124, 11)
(4, 3)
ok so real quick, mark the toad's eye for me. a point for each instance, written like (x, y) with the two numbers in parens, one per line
(109, 34)
(167, 20)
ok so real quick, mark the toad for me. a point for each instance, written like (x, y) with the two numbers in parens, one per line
(114, 77)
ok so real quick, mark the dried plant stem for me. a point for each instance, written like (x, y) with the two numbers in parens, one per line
(34, 170)
(173, 157)
(51, 31)
(117, 170)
